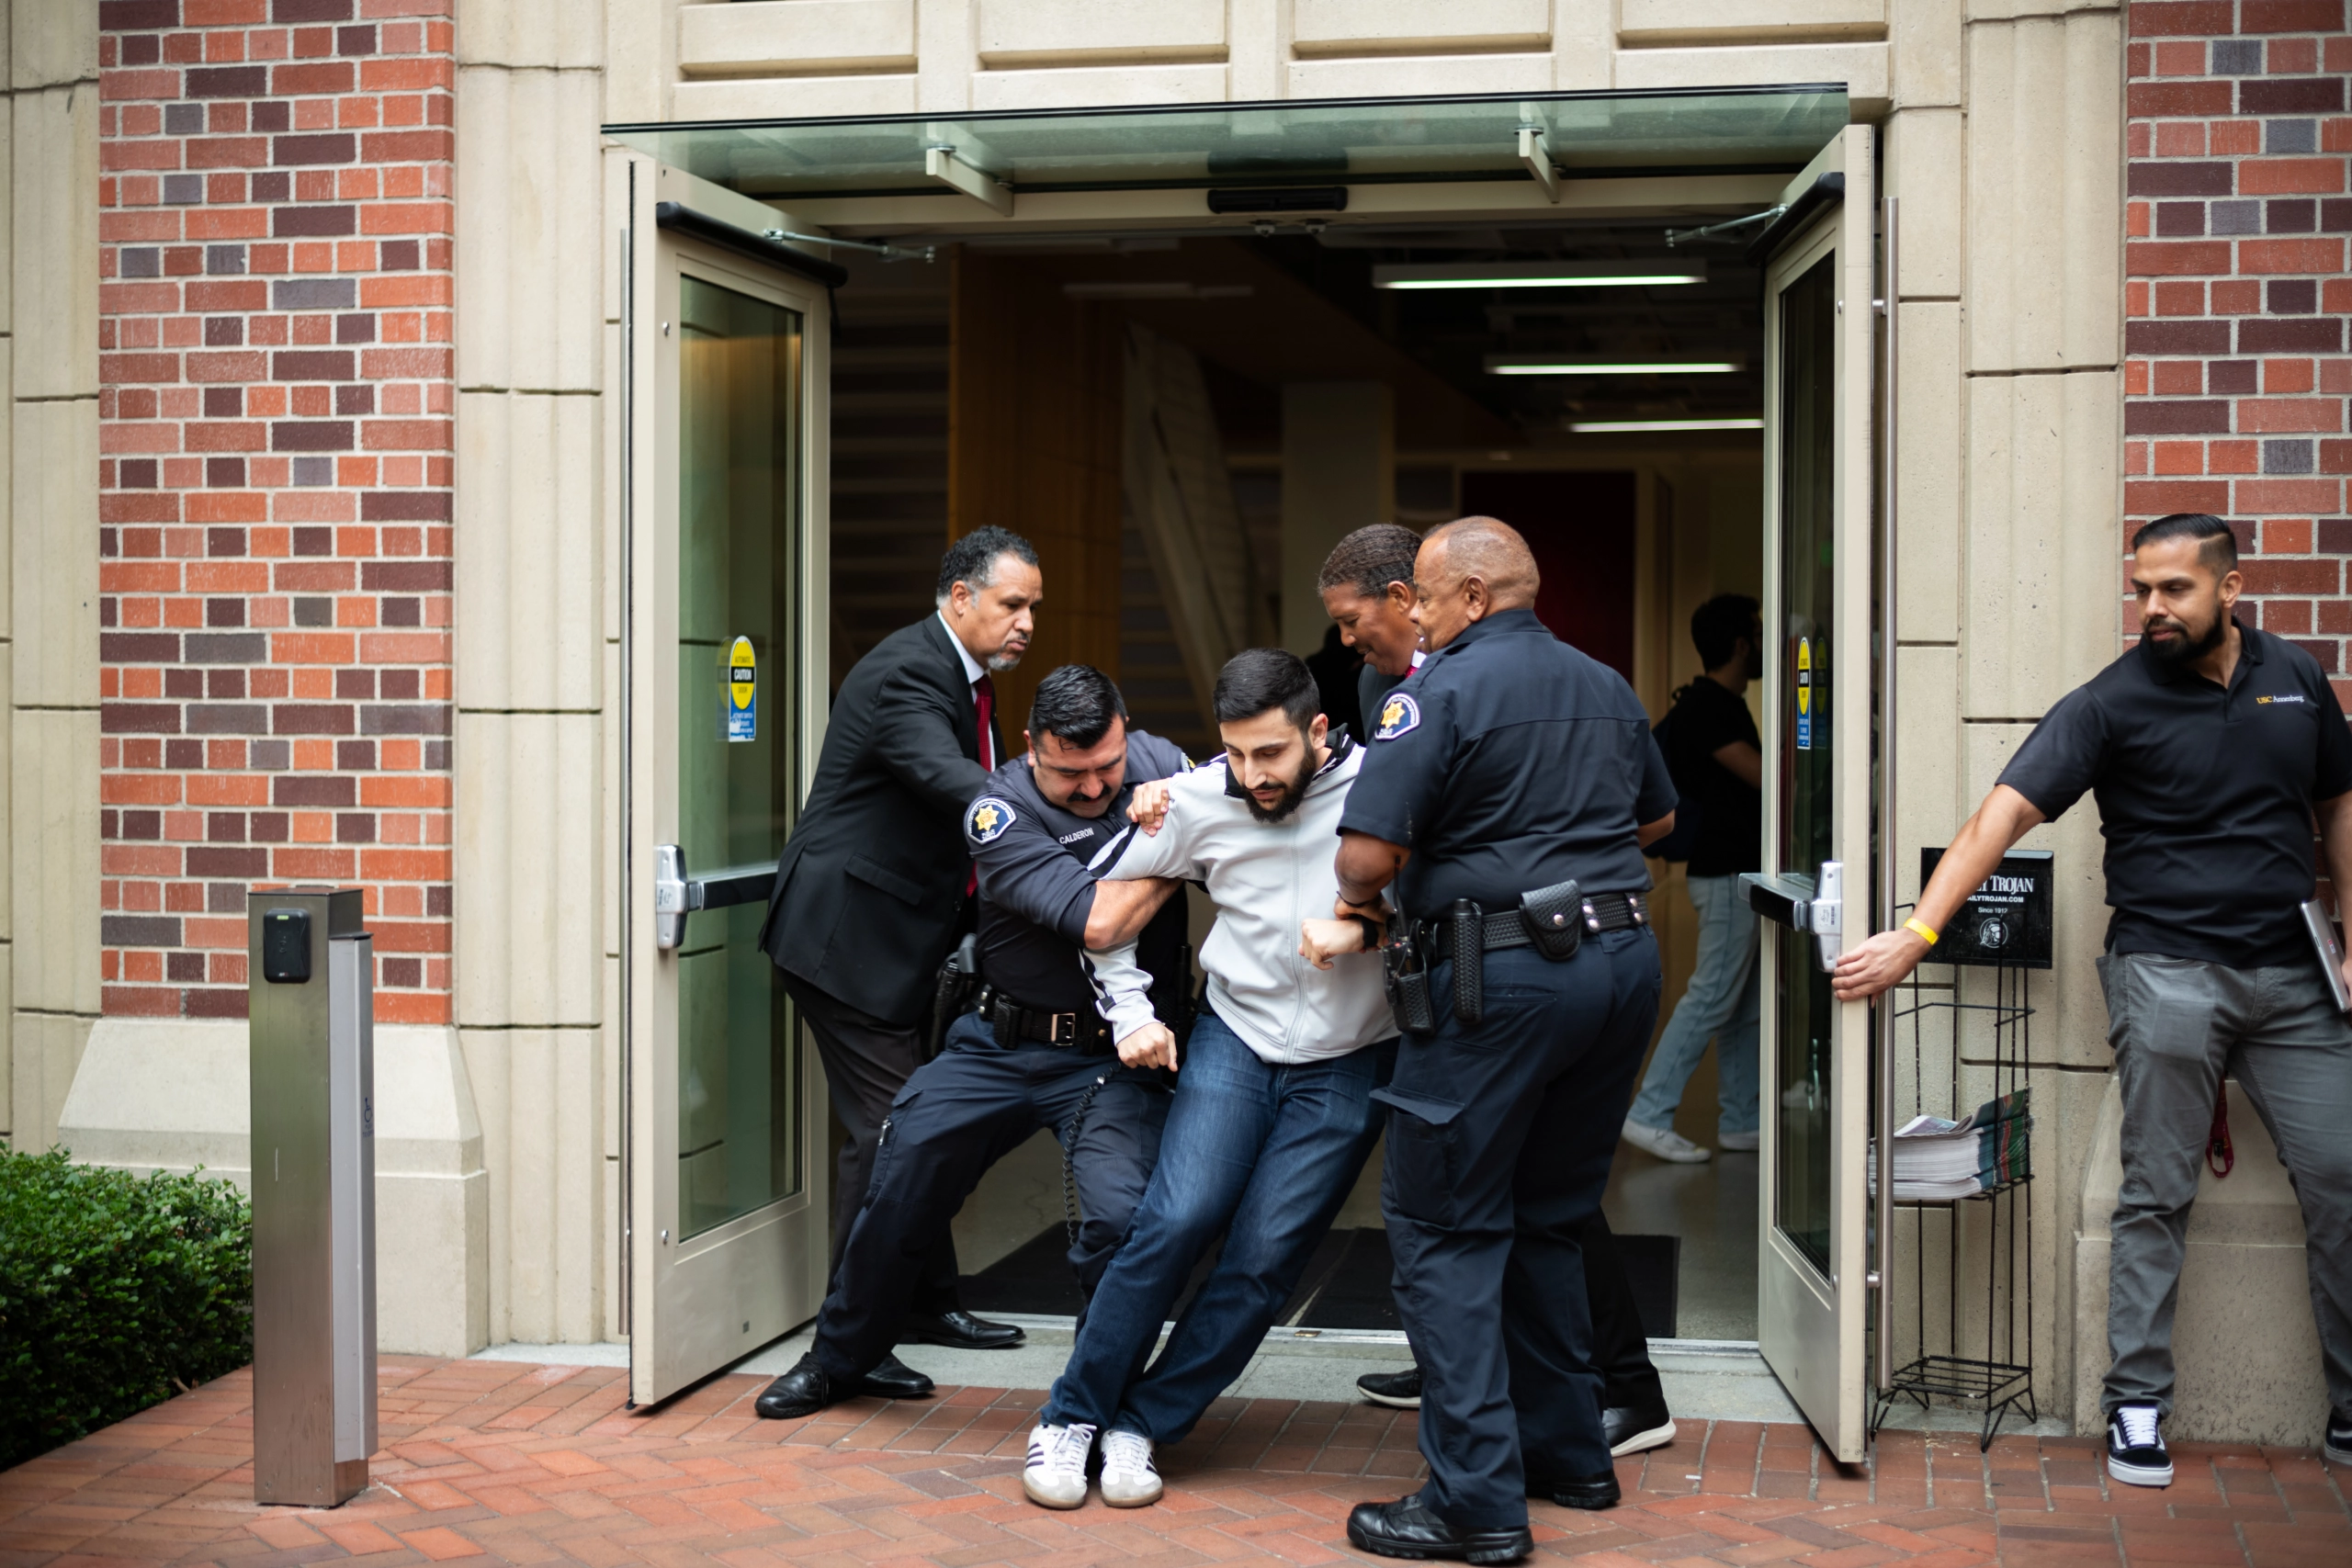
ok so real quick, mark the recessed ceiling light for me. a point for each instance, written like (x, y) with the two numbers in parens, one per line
(1538, 274)
(1635, 426)
(1591, 365)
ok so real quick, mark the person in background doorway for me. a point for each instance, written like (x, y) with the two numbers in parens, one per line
(1367, 588)
(1035, 1052)
(873, 886)
(2211, 748)
(1368, 591)
(1717, 761)
(1505, 793)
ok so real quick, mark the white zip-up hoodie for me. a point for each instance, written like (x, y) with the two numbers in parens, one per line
(1265, 878)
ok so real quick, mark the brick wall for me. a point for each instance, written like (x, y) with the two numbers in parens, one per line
(2237, 375)
(275, 484)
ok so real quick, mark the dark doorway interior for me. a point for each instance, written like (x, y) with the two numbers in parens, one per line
(1580, 527)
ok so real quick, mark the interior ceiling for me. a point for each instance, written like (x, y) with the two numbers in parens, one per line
(1298, 306)
(1262, 322)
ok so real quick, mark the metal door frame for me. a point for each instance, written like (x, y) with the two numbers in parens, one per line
(695, 1306)
(1811, 1326)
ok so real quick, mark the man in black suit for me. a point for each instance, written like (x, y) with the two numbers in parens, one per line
(875, 884)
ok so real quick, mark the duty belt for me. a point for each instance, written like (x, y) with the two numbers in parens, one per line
(1015, 1024)
(1508, 928)
(1553, 920)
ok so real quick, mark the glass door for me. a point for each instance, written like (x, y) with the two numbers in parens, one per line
(1818, 348)
(726, 1200)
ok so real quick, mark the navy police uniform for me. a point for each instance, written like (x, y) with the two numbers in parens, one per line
(1038, 1055)
(1511, 762)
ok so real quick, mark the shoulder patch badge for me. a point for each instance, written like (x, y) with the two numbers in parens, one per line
(1399, 715)
(989, 816)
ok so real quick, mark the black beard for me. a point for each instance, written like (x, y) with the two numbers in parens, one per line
(2181, 650)
(1294, 792)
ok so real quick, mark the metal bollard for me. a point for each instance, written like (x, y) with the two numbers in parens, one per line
(310, 985)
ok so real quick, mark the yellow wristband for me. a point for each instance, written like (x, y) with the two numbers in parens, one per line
(1923, 931)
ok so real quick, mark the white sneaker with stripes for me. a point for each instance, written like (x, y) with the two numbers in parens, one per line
(1129, 1478)
(1056, 1474)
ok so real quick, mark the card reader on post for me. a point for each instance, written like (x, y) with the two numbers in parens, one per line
(311, 997)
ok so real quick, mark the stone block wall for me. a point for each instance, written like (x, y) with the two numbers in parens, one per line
(2237, 375)
(277, 406)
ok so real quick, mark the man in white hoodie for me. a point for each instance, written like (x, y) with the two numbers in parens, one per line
(1273, 1114)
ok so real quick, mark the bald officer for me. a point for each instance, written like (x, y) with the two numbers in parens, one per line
(1506, 794)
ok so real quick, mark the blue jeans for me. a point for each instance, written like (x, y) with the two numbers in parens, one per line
(1263, 1155)
(1721, 1002)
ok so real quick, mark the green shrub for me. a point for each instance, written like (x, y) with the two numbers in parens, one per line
(116, 1293)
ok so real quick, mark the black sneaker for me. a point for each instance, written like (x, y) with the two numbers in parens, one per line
(1634, 1428)
(2136, 1449)
(2338, 1446)
(1399, 1390)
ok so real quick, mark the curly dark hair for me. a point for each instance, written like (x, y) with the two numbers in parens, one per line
(1369, 560)
(971, 559)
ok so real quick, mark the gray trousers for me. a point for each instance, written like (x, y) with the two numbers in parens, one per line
(2177, 1027)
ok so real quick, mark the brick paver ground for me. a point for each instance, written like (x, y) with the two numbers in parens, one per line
(502, 1462)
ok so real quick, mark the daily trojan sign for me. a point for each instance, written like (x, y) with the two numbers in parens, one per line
(2007, 921)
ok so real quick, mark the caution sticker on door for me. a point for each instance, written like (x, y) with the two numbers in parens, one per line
(742, 692)
(1805, 693)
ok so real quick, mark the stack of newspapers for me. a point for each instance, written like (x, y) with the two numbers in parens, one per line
(1935, 1159)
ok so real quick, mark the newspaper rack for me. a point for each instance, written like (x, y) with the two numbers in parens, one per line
(1987, 1237)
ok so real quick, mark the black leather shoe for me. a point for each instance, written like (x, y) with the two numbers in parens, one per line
(958, 1330)
(803, 1390)
(1635, 1428)
(1579, 1491)
(1399, 1390)
(896, 1380)
(1406, 1528)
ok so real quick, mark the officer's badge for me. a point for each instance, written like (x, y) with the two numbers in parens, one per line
(990, 817)
(1400, 714)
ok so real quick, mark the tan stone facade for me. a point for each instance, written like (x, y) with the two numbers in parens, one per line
(2003, 129)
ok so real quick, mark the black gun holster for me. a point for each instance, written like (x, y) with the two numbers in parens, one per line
(1406, 979)
(953, 993)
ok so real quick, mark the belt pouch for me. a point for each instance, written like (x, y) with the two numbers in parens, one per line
(1407, 983)
(1466, 930)
(1554, 917)
(1004, 1022)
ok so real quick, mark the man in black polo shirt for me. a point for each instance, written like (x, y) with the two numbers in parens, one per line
(2212, 750)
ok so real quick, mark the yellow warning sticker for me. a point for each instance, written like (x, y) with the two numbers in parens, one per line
(742, 692)
(1805, 693)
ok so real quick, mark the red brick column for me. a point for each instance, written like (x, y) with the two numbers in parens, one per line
(274, 478)
(2237, 375)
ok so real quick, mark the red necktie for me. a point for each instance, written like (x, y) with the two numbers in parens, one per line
(984, 706)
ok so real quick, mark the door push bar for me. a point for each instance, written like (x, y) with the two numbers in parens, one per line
(676, 895)
(1819, 908)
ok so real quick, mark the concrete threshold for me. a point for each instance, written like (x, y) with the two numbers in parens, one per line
(1724, 1379)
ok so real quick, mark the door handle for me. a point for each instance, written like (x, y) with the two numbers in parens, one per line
(676, 895)
(1828, 912)
(1818, 907)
